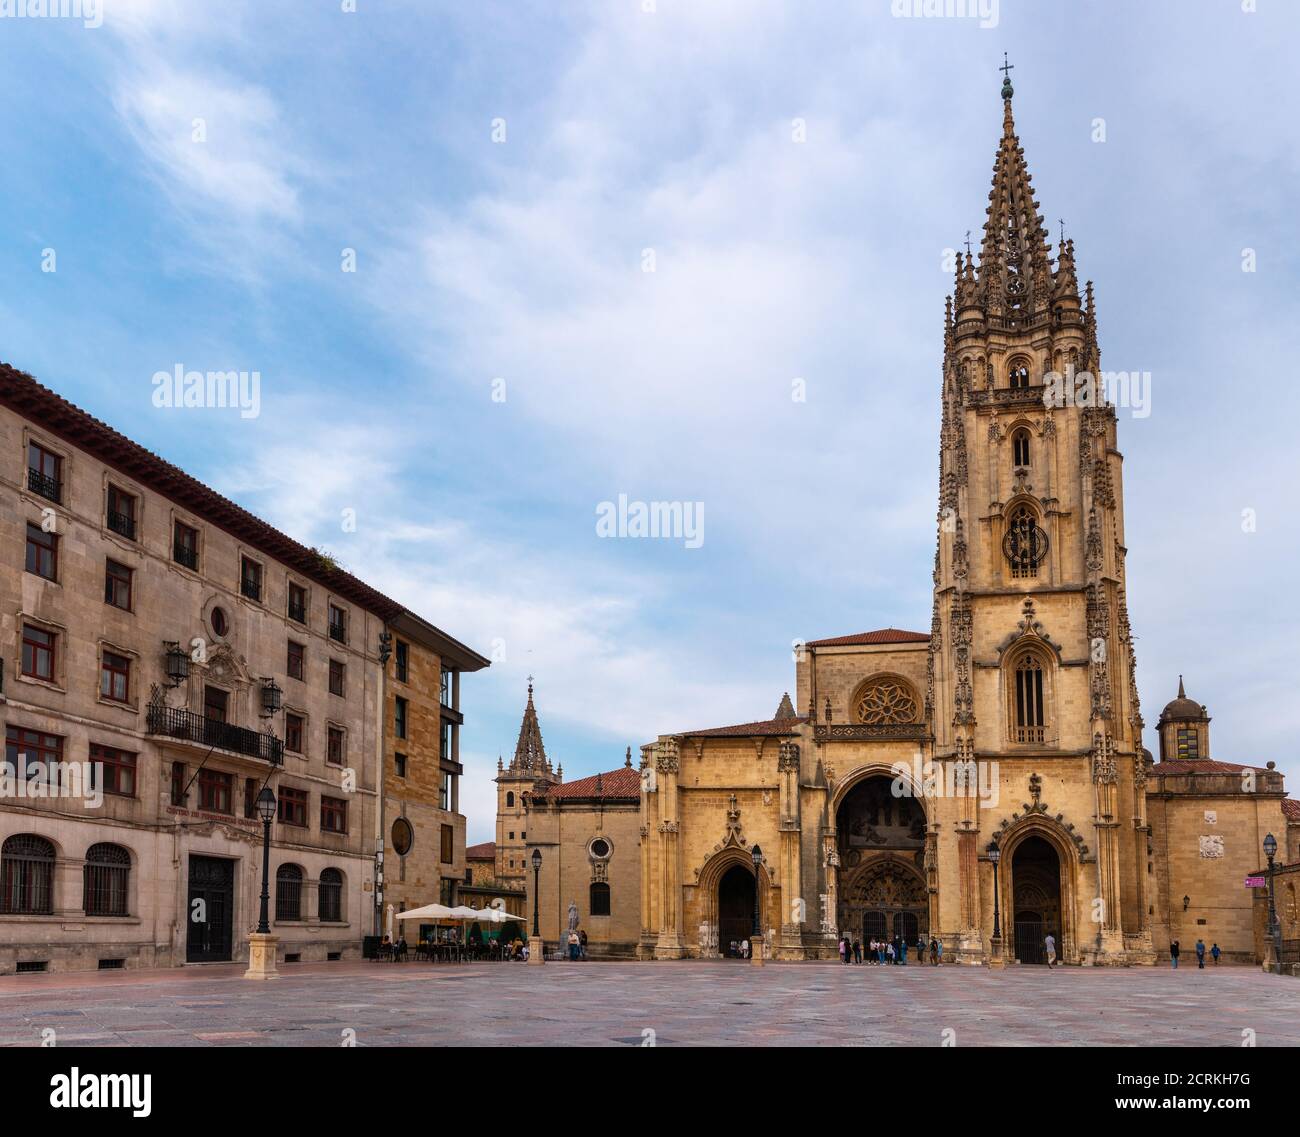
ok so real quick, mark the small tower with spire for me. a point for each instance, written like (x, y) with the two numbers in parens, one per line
(1184, 729)
(529, 772)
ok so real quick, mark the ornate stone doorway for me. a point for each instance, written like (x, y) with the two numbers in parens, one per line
(1036, 877)
(884, 899)
(735, 908)
(881, 846)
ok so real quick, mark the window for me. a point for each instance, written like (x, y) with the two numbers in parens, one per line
(599, 900)
(215, 790)
(399, 765)
(329, 897)
(335, 747)
(30, 751)
(403, 836)
(510, 798)
(338, 674)
(117, 585)
(444, 791)
(333, 815)
(399, 717)
(1020, 448)
(1189, 745)
(216, 703)
(108, 869)
(297, 662)
(250, 799)
(220, 623)
(448, 691)
(1019, 376)
(42, 552)
(44, 472)
(448, 753)
(38, 652)
(250, 579)
(297, 603)
(121, 512)
(26, 876)
(291, 806)
(185, 546)
(293, 733)
(179, 782)
(288, 893)
(115, 769)
(448, 843)
(403, 661)
(1030, 723)
(1025, 542)
(338, 624)
(115, 677)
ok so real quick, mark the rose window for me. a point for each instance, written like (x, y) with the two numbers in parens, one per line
(886, 701)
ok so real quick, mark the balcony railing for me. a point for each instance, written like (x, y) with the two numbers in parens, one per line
(172, 722)
(1030, 734)
(185, 555)
(298, 612)
(122, 523)
(339, 632)
(44, 485)
(251, 588)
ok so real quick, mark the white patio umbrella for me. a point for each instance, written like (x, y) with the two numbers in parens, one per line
(461, 912)
(496, 916)
(429, 912)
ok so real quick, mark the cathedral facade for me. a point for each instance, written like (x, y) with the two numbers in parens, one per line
(985, 782)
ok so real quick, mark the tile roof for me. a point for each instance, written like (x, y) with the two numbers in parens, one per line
(487, 851)
(1291, 808)
(623, 784)
(880, 636)
(1203, 766)
(765, 728)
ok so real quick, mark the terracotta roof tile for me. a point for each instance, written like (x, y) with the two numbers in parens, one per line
(487, 851)
(1291, 808)
(1203, 766)
(880, 636)
(623, 784)
(765, 728)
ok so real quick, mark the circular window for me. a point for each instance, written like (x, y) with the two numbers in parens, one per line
(403, 836)
(220, 625)
(599, 848)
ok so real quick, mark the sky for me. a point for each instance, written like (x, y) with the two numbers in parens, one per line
(497, 264)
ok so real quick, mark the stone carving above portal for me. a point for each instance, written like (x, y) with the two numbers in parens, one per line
(885, 700)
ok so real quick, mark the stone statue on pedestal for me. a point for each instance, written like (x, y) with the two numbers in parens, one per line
(573, 915)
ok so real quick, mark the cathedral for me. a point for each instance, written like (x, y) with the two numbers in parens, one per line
(984, 783)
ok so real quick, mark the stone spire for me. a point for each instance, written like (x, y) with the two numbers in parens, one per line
(530, 751)
(786, 708)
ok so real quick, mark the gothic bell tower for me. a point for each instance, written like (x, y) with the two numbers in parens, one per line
(1031, 656)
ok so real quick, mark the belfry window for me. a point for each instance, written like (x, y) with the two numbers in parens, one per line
(1025, 542)
(1030, 725)
(1019, 376)
(1020, 448)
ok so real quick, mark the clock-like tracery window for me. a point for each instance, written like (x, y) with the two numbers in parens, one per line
(885, 701)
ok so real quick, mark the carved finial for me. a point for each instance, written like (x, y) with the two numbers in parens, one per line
(627, 763)
(1006, 69)
(1181, 693)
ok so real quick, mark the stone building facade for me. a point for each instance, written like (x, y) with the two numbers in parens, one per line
(169, 655)
(988, 773)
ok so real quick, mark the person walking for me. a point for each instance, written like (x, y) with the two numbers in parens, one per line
(902, 951)
(844, 950)
(582, 942)
(1214, 952)
(744, 949)
(1049, 942)
(1173, 954)
(574, 947)
(1200, 955)
(940, 942)
(934, 952)
(857, 951)
(889, 951)
(920, 949)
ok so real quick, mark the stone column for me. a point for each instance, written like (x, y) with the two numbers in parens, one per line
(667, 765)
(795, 915)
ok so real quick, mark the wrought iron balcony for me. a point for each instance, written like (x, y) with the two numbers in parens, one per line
(298, 612)
(44, 485)
(339, 632)
(251, 588)
(173, 722)
(123, 524)
(185, 555)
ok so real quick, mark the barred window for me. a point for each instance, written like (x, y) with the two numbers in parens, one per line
(26, 875)
(329, 896)
(108, 869)
(1030, 723)
(288, 893)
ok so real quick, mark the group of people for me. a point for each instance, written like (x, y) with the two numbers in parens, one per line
(739, 949)
(1175, 950)
(578, 943)
(894, 951)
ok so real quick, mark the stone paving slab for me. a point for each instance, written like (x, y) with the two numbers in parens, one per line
(687, 1003)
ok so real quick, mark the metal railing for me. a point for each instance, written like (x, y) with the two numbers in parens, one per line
(172, 722)
(122, 523)
(44, 485)
(250, 588)
(185, 555)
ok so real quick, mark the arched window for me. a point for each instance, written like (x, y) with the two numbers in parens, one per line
(1025, 542)
(329, 896)
(510, 798)
(27, 875)
(288, 893)
(599, 905)
(108, 870)
(1020, 447)
(1030, 721)
(1018, 375)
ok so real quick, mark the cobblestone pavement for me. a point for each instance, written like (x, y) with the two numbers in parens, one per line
(683, 1004)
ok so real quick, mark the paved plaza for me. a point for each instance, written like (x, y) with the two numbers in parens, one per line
(671, 1004)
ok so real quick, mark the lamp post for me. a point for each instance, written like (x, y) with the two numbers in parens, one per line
(756, 935)
(536, 945)
(995, 945)
(261, 944)
(1274, 927)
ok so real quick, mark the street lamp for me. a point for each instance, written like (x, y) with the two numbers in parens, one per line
(271, 697)
(537, 869)
(995, 945)
(1274, 927)
(266, 811)
(177, 663)
(756, 853)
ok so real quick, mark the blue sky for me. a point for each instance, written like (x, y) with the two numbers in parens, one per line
(665, 126)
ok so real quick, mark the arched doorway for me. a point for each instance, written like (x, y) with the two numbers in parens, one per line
(735, 908)
(1036, 879)
(881, 844)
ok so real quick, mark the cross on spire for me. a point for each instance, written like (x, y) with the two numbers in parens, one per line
(1006, 70)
